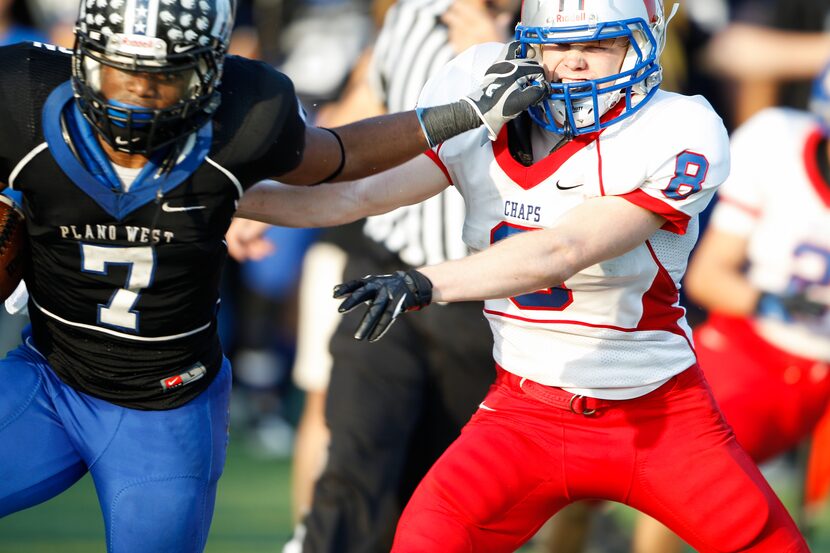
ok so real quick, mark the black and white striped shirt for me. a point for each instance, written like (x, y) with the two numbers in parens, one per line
(412, 46)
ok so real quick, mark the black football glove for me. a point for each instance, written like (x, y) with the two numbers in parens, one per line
(787, 307)
(387, 295)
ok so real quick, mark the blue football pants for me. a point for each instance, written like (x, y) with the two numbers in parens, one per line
(155, 472)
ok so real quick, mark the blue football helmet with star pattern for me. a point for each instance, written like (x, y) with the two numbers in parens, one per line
(188, 38)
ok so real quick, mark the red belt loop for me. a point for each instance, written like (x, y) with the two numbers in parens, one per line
(585, 412)
(557, 397)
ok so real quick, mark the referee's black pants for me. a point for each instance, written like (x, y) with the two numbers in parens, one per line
(393, 407)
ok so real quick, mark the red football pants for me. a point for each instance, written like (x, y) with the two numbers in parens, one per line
(770, 398)
(668, 454)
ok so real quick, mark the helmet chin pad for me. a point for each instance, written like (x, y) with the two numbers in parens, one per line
(139, 117)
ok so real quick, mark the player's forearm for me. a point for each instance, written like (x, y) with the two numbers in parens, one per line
(332, 204)
(756, 52)
(374, 145)
(596, 230)
(813, 50)
(380, 143)
(730, 296)
(720, 289)
(517, 265)
(285, 205)
(716, 278)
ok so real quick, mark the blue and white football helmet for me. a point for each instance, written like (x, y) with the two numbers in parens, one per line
(576, 108)
(820, 97)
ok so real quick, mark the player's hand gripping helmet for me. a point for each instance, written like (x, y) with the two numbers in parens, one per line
(576, 108)
(187, 38)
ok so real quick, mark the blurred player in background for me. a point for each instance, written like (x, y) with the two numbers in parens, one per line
(767, 52)
(131, 160)
(763, 271)
(583, 214)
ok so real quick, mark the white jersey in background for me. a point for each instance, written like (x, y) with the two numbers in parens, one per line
(614, 330)
(777, 197)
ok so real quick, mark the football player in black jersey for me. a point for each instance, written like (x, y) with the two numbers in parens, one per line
(131, 158)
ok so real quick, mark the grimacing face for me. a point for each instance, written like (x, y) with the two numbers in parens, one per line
(583, 61)
(146, 90)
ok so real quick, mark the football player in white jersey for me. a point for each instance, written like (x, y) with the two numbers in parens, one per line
(763, 271)
(582, 213)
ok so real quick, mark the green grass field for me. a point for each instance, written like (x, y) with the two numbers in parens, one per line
(252, 515)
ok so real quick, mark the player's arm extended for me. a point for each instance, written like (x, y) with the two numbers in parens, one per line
(332, 204)
(596, 230)
(720, 258)
(599, 229)
(370, 146)
(717, 281)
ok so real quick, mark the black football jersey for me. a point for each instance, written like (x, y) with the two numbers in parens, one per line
(124, 285)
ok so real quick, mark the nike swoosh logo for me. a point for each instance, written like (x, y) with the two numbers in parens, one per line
(485, 407)
(560, 187)
(179, 48)
(123, 142)
(170, 209)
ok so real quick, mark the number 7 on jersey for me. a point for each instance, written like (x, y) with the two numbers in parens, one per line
(140, 262)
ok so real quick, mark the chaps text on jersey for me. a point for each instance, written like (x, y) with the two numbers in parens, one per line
(526, 212)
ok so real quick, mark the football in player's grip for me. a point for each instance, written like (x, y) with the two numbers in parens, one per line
(12, 247)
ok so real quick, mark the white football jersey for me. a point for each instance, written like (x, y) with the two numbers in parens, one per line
(778, 199)
(614, 330)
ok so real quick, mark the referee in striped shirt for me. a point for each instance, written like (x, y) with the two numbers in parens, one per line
(393, 406)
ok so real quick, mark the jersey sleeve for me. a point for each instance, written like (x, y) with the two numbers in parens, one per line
(688, 159)
(741, 198)
(259, 126)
